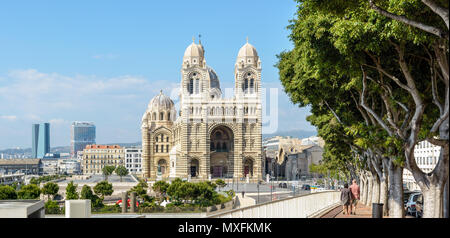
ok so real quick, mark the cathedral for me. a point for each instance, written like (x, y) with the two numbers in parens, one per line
(211, 136)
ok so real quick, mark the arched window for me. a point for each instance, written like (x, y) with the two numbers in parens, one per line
(197, 86)
(224, 146)
(168, 116)
(167, 148)
(211, 146)
(191, 86)
(156, 148)
(252, 85)
(156, 138)
(161, 116)
(154, 116)
(245, 85)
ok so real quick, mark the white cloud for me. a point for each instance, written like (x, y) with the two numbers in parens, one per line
(10, 118)
(58, 121)
(105, 56)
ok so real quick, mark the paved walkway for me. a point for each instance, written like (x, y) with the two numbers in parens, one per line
(362, 211)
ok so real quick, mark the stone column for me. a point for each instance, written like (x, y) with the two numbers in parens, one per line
(133, 202)
(145, 153)
(124, 202)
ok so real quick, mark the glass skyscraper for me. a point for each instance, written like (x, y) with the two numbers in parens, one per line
(40, 140)
(81, 134)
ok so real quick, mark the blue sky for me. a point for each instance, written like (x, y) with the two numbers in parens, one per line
(103, 61)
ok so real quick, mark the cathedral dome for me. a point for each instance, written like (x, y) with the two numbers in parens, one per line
(161, 102)
(194, 50)
(247, 51)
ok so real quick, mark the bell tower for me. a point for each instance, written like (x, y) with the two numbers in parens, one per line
(247, 72)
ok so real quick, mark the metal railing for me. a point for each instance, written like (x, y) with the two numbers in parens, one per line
(301, 206)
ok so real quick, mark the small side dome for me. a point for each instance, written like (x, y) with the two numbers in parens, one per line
(161, 102)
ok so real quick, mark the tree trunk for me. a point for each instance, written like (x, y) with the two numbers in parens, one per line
(366, 189)
(363, 188)
(384, 189)
(395, 201)
(375, 189)
(369, 189)
(446, 199)
(433, 186)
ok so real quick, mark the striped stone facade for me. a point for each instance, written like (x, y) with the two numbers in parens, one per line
(211, 137)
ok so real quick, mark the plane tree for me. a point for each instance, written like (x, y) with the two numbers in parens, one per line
(383, 65)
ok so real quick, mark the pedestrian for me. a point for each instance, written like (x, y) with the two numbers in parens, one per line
(243, 193)
(354, 188)
(346, 199)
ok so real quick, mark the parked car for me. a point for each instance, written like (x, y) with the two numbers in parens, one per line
(410, 205)
(306, 187)
(282, 185)
(419, 206)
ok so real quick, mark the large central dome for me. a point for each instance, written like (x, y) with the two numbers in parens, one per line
(213, 78)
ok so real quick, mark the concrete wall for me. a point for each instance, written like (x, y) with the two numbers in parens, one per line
(302, 206)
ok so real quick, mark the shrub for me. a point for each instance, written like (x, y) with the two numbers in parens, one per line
(107, 209)
(7, 192)
(30, 191)
(52, 207)
(71, 191)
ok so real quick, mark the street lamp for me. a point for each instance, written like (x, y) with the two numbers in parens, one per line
(257, 186)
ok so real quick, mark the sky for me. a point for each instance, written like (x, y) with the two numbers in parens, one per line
(103, 61)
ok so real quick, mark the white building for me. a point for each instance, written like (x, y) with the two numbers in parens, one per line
(133, 160)
(69, 166)
(427, 156)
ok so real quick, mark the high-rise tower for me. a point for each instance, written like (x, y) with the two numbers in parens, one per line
(40, 140)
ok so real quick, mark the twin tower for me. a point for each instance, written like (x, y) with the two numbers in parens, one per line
(211, 137)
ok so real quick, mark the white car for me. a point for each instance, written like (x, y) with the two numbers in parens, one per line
(411, 203)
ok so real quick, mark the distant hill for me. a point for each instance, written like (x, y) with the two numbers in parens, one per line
(293, 133)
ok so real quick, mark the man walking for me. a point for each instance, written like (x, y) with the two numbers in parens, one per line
(354, 188)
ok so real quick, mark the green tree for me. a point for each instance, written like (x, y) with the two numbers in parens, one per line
(362, 54)
(52, 207)
(220, 183)
(160, 187)
(50, 189)
(30, 191)
(7, 192)
(121, 171)
(34, 180)
(108, 170)
(71, 191)
(103, 189)
(86, 193)
(141, 191)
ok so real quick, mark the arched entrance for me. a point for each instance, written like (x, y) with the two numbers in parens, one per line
(248, 167)
(162, 168)
(221, 151)
(194, 166)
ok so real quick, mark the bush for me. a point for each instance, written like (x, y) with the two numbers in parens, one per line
(30, 191)
(107, 209)
(71, 191)
(86, 193)
(52, 207)
(7, 192)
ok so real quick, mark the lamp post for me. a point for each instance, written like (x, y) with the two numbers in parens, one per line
(257, 187)
(271, 188)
